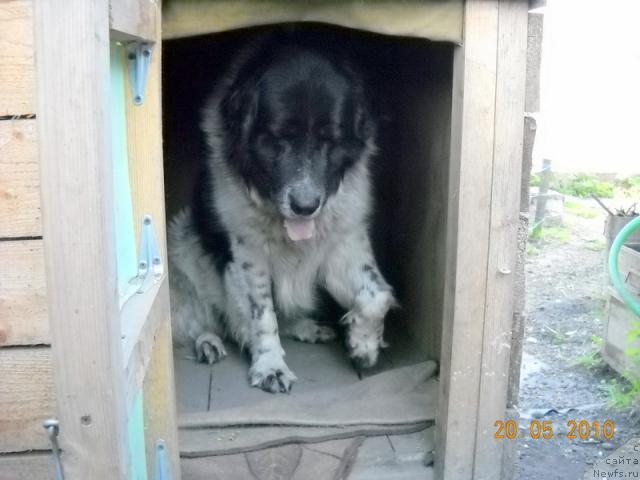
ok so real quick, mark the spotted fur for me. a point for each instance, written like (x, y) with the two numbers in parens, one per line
(234, 271)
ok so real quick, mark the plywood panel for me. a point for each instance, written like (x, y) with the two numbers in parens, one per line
(19, 178)
(23, 312)
(16, 58)
(26, 398)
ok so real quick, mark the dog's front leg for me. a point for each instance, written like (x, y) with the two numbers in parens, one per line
(353, 279)
(252, 321)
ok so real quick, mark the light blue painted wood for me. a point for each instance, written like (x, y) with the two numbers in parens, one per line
(135, 434)
(127, 267)
(127, 263)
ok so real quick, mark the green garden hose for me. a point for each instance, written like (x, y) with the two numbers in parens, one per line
(618, 284)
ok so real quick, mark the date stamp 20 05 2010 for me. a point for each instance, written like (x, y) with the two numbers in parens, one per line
(544, 430)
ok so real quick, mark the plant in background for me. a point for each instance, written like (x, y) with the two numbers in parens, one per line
(630, 187)
(534, 181)
(626, 392)
(583, 185)
(592, 358)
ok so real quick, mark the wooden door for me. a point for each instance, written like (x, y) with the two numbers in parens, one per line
(101, 175)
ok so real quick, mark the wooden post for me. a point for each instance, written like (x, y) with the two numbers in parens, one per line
(72, 65)
(484, 197)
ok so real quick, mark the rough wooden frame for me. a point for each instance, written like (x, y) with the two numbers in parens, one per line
(486, 151)
(94, 373)
(134, 19)
(78, 228)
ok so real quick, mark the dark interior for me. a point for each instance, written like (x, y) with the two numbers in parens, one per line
(409, 81)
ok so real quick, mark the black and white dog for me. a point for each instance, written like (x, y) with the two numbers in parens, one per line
(281, 211)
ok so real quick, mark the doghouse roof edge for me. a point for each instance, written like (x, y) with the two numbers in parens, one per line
(439, 20)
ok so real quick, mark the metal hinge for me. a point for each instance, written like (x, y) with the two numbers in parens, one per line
(139, 58)
(161, 471)
(150, 261)
(53, 428)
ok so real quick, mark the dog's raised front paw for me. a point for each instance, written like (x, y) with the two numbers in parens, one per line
(364, 339)
(209, 348)
(271, 374)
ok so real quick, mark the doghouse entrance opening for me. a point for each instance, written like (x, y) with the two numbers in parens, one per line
(409, 83)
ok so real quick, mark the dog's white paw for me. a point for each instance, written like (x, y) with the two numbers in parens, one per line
(364, 339)
(209, 348)
(309, 331)
(271, 374)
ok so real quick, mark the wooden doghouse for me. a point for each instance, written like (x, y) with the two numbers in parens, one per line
(84, 317)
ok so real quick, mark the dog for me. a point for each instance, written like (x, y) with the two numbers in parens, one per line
(281, 211)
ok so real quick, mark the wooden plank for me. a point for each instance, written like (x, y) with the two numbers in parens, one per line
(16, 58)
(146, 175)
(19, 179)
(437, 20)
(159, 393)
(473, 105)
(503, 239)
(134, 19)
(29, 466)
(23, 310)
(146, 169)
(79, 231)
(139, 330)
(26, 398)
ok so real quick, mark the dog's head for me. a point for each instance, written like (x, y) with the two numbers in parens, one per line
(296, 122)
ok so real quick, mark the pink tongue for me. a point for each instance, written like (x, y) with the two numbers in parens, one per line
(300, 229)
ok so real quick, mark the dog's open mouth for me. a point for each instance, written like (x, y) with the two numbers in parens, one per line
(300, 228)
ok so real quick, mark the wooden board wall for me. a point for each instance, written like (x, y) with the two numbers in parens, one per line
(16, 58)
(26, 398)
(30, 466)
(23, 313)
(486, 150)
(19, 178)
(26, 379)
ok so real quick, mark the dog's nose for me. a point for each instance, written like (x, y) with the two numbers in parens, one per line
(305, 207)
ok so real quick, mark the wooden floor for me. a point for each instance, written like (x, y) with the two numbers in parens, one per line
(201, 388)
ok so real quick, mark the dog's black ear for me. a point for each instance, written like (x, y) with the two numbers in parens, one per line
(364, 127)
(240, 110)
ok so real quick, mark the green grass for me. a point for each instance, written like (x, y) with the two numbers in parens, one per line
(592, 358)
(532, 250)
(630, 187)
(559, 338)
(623, 394)
(595, 244)
(534, 180)
(576, 208)
(550, 234)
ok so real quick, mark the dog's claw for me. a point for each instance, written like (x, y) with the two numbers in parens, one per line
(209, 348)
(273, 380)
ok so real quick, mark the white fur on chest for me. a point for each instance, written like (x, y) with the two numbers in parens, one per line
(295, 273)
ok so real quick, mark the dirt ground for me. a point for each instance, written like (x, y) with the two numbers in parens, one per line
(565, 308)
